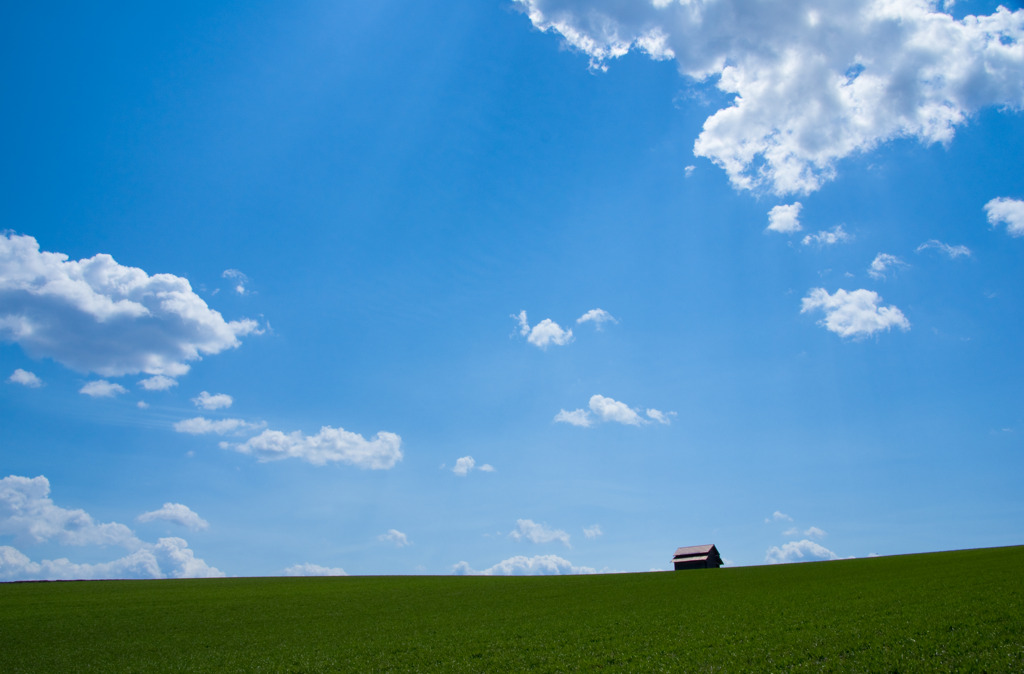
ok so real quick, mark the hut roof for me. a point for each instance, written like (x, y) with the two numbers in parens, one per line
(695, 551)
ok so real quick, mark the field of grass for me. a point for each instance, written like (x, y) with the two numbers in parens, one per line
(953, 611)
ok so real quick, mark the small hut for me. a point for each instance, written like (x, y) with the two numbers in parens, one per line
(697, 557)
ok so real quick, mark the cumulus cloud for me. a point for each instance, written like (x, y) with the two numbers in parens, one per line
(101, 388)
(95, 315)
(598, 317)
(167, 558)
(214, 401)
(855, 314)
(25, 378)
(395, 536)
(576, 417)
(539, 565)
(176, 513)
(465, 464)
(778, 517)
(883, 264)
(799, 551)
(158, 383)
(1009, 212)
(593, 531)
(538, 533)
(544, 334)
(827, 238)
(330, 445)
(308, 569)
(785, 219)
(811, 81)
(204, 426)
(29, 515)
(815, 532)
(609, 409)
(952, 251)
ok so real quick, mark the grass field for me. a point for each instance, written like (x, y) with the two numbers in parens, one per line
(952, 611)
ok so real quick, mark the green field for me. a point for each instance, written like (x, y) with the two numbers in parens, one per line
(952, 611)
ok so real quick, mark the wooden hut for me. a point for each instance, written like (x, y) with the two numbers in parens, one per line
(697, 557)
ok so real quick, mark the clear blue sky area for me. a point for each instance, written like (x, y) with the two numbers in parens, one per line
(507, 286)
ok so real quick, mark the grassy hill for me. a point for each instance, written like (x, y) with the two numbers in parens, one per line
(950, 611)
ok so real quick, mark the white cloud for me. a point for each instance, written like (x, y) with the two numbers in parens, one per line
(395, 536)
(465, 464)
(853, 314)
(538, 533)
(778, 517)
(330, 445)
(238, 278)
(785, 219)
(811, 81)
(539, 565)
(882, 264)
(167, 558)
(598, 317)
(95, 315)
(308, 569)
(1009, 212)
(25, 378)
(544, 334)
(815, 532)
(593, 531)
(29, 515)
(101, 388)
(548, 332)
(178, 514)
(827, 238)
(609, 409)
(204, 426)
(158, 383)
(952, 251)
(798, 551)
(661, 417)
(576, 418)
(213, 402)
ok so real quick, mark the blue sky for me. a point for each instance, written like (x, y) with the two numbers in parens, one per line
(531, 286)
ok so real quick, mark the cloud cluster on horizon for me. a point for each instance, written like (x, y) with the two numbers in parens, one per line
(812, 81)
(804, 550)
(520, 565)
(29, 515)
(308, 569)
